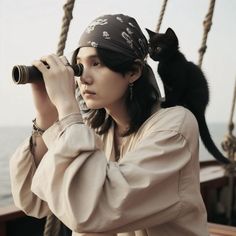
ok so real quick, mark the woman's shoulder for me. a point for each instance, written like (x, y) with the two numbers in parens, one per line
(176, 118)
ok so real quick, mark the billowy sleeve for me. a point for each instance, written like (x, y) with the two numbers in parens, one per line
(22, 169)
(90, 194)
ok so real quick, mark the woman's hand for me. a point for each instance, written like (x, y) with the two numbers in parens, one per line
(59, 86)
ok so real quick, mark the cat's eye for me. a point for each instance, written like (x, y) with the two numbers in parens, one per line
(158, 49)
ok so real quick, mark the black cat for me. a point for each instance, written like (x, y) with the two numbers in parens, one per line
(184, 83)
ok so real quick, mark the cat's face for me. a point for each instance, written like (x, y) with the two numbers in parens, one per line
(162, 45)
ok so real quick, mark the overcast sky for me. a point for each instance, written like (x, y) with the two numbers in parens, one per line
(30, 29)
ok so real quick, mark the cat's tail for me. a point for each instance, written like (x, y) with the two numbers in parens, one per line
(208, 142)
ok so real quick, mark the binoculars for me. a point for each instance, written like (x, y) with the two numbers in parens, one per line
(22, 74)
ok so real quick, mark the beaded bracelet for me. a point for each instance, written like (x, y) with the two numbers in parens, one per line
(37, 129)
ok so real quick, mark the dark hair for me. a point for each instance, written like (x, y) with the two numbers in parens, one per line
(145, 95)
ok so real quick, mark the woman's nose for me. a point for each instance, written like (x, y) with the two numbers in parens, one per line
(86, 77)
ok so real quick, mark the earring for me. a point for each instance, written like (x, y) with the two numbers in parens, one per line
(131, 91)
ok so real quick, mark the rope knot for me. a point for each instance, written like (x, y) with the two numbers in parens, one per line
(229, 145)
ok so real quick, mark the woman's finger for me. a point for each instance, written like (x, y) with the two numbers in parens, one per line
(64, 61)
(51, 60)
(40, 66)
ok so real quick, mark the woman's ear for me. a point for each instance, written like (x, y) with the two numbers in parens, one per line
(136, 71)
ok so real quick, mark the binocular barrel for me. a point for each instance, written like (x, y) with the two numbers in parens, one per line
(22, 74)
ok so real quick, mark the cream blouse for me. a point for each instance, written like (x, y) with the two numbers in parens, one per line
(153, 190)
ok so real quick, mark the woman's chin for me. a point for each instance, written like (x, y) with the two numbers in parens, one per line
(93, 106)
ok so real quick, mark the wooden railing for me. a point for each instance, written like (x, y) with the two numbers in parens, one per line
(221, 230)
(213, 180)
(6, 214)
(15, 222)
(12, 213)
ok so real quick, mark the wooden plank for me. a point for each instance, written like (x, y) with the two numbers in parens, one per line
(3, 229)
(14, 222)
(221, 230)
(208, 163)
(211, 173)
(9, 213)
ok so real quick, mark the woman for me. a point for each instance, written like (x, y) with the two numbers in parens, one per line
(127, 167)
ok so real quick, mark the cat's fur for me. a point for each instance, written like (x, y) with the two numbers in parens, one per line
(184, 83)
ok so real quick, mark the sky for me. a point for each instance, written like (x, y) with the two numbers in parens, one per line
(30, 29)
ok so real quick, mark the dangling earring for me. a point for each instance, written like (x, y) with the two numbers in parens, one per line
(131, 91)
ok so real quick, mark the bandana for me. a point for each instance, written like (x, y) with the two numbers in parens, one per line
(119, 33)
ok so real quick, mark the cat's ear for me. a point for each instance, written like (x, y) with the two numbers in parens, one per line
(150, 32)
(171, 35)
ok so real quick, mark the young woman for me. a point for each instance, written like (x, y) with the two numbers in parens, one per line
(126, 167)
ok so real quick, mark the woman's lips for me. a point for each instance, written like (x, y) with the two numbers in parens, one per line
(88, 92)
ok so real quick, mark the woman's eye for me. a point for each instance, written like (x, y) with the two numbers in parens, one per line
(96, 63)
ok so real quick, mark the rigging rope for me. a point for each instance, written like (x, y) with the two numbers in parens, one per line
(68, 8)
(163, 8)
(53, 225)
(207, 26)
(229, 143)
(231, 124)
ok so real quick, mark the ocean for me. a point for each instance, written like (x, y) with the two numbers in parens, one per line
(11, 137)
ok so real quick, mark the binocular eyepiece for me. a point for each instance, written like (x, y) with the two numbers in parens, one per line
(28, 74)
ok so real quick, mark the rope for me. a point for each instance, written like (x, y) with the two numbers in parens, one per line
(207, 26)
(231, 124)
(161, 15)
(68, 8)
(229, 143)
(53, 225)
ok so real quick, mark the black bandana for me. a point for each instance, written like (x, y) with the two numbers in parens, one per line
(119, 33)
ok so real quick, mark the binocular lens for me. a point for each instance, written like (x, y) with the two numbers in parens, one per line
(22, 74)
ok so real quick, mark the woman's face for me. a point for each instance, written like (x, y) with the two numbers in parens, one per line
(100, 87)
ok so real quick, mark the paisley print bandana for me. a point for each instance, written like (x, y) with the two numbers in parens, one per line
(119, 33)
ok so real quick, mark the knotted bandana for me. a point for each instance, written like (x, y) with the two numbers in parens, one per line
(119, 33)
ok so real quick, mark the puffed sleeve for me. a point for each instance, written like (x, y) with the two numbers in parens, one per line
(22, 169)
(90, 194)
